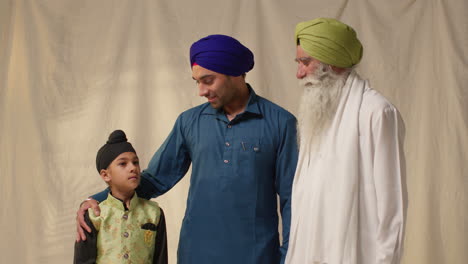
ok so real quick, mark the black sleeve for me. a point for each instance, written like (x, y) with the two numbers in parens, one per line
(86, 251)
(160, 246)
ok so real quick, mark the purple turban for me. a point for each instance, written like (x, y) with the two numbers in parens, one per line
(222, 54)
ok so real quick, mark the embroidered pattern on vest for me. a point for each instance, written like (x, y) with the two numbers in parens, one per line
(126, 236)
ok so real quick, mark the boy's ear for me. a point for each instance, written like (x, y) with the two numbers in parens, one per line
(105, 175)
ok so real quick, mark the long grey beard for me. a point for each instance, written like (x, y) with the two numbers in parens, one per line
(320, 99)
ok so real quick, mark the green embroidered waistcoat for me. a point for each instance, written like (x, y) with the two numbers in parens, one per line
(121, 238)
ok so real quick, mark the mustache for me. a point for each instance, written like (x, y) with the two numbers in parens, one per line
(309, 81)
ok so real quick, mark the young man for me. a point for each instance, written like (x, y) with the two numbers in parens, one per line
(128, 228)
(243, 153)
(349, 190)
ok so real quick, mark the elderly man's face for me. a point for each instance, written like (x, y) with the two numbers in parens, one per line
(218, 88)
(306, 65)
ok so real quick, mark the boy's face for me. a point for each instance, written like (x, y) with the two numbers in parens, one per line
(123, 174)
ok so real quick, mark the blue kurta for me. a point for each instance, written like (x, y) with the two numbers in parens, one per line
(238, 168)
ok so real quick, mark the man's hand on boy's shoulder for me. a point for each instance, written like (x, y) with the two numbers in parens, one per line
(80, 220)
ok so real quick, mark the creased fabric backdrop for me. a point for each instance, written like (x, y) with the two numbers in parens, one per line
(73, 71)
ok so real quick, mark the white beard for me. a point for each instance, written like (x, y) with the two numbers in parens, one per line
(322, 93)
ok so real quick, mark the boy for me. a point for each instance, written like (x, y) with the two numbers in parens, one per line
(129, 229)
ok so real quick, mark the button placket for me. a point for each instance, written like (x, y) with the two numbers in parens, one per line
(227, 153)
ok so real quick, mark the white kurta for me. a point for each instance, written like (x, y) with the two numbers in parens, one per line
(349, 196)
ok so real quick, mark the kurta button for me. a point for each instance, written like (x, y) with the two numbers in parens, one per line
(125, 256)
(255, 149)
(125, 216)
(229, 126)
(227, 144)
(125, 234)
(226, 161)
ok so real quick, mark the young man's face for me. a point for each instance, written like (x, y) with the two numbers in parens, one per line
(123, 174)
(218, 88)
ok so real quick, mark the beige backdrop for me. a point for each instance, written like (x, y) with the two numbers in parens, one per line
(73, 71)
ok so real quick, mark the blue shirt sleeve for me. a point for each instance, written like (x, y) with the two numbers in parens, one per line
(287, 156)
(101, 196)
(167, 166)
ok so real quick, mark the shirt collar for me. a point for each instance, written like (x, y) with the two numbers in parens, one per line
(252, 106)
(119, 204)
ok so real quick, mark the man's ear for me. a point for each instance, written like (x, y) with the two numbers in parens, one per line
(105, 175)
(338, 70)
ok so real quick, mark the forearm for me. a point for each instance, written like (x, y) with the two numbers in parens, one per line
(285, 170)
(160, 250)
(167, 166)
(390, 186)
(391, 214)
(286, 224)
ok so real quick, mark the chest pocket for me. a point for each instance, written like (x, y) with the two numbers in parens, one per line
(253, 154)
(147, 237)
(257, 156)
(249, 146)
(263, 147)
(247, 149)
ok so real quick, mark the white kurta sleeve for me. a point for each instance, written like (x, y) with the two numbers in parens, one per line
(389, 177)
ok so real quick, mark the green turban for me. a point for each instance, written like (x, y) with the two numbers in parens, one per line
(329, 41)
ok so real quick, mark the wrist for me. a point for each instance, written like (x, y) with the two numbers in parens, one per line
(87, 199)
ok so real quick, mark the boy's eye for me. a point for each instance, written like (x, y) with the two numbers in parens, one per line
(122, 163)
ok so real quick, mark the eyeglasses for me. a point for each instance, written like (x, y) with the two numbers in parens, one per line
(304, 60)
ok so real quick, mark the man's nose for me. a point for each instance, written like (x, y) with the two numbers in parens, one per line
(301, 72)
(202, 91)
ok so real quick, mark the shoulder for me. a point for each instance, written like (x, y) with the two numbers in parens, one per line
(151, 208)
(197, 110)
(191, 114)
(372, 100)
(90, 217)
(103, 207)
(148, 204)
(270, 109)
(374, 104)
(377, 112)
(189, 117)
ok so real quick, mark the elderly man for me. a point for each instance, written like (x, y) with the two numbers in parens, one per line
(348, 203)
(243, 151)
